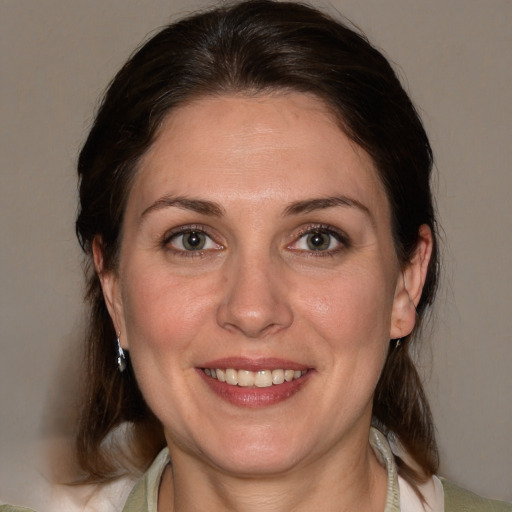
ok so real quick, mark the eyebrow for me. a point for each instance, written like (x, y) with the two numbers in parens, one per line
(213, 209)
(196, 205)
(322, 203)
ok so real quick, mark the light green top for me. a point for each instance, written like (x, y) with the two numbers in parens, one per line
(460, 500)
(10, 508)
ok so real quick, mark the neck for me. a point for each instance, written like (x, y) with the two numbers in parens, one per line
(339, 481)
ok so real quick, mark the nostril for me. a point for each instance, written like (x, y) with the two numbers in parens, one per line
(252, 320)
(254, 302)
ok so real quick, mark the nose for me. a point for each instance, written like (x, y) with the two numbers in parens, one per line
(256, 300)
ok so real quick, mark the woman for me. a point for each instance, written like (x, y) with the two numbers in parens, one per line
(256, 208)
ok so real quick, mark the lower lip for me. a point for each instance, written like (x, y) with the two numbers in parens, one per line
(253, 397)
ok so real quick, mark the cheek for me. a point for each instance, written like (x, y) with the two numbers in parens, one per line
(164, 315)
(162, 309)
(353, 310)
(349, 316)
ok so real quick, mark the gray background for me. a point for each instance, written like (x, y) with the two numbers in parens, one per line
(455, 59)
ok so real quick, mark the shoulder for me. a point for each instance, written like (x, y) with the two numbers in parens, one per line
(457, 499)
(11, 508)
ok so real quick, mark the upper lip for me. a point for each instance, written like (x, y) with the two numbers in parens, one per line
(255, 365)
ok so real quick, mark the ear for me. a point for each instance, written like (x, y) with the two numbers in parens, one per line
(111, 289)
(410, 286)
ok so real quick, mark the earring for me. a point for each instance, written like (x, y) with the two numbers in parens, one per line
(397, 343)
(121, 359)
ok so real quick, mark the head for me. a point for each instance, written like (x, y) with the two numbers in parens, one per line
(254, 50)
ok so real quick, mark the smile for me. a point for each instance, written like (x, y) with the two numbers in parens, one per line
(259, 379)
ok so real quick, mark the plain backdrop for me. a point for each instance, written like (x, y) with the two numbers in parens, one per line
(455, 59)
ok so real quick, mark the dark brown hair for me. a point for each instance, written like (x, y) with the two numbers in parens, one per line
(253, 47)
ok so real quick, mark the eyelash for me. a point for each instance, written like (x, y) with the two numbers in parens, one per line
(340, 237)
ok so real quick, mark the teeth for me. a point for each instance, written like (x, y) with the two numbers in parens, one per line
(245, 378)
(232, 377)
(260, 379)
(263, 379)
(277, 376)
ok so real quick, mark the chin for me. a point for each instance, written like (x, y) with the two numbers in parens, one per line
(247, 454)
(254, 463)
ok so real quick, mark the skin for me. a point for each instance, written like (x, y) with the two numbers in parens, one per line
(256, 290)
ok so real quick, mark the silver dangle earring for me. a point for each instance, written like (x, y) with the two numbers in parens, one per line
(397, 343)
(121, 359)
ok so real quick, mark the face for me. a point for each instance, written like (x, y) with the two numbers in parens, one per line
(258, 286)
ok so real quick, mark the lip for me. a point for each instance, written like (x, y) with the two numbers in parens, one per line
(254, 365)
(255, 397)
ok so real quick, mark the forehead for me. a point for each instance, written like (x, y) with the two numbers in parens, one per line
(281, 146)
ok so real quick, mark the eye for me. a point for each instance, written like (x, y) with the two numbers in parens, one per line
(320, 239)
(192, 240)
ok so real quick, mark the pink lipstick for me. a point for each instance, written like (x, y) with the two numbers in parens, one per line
(254, 382)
